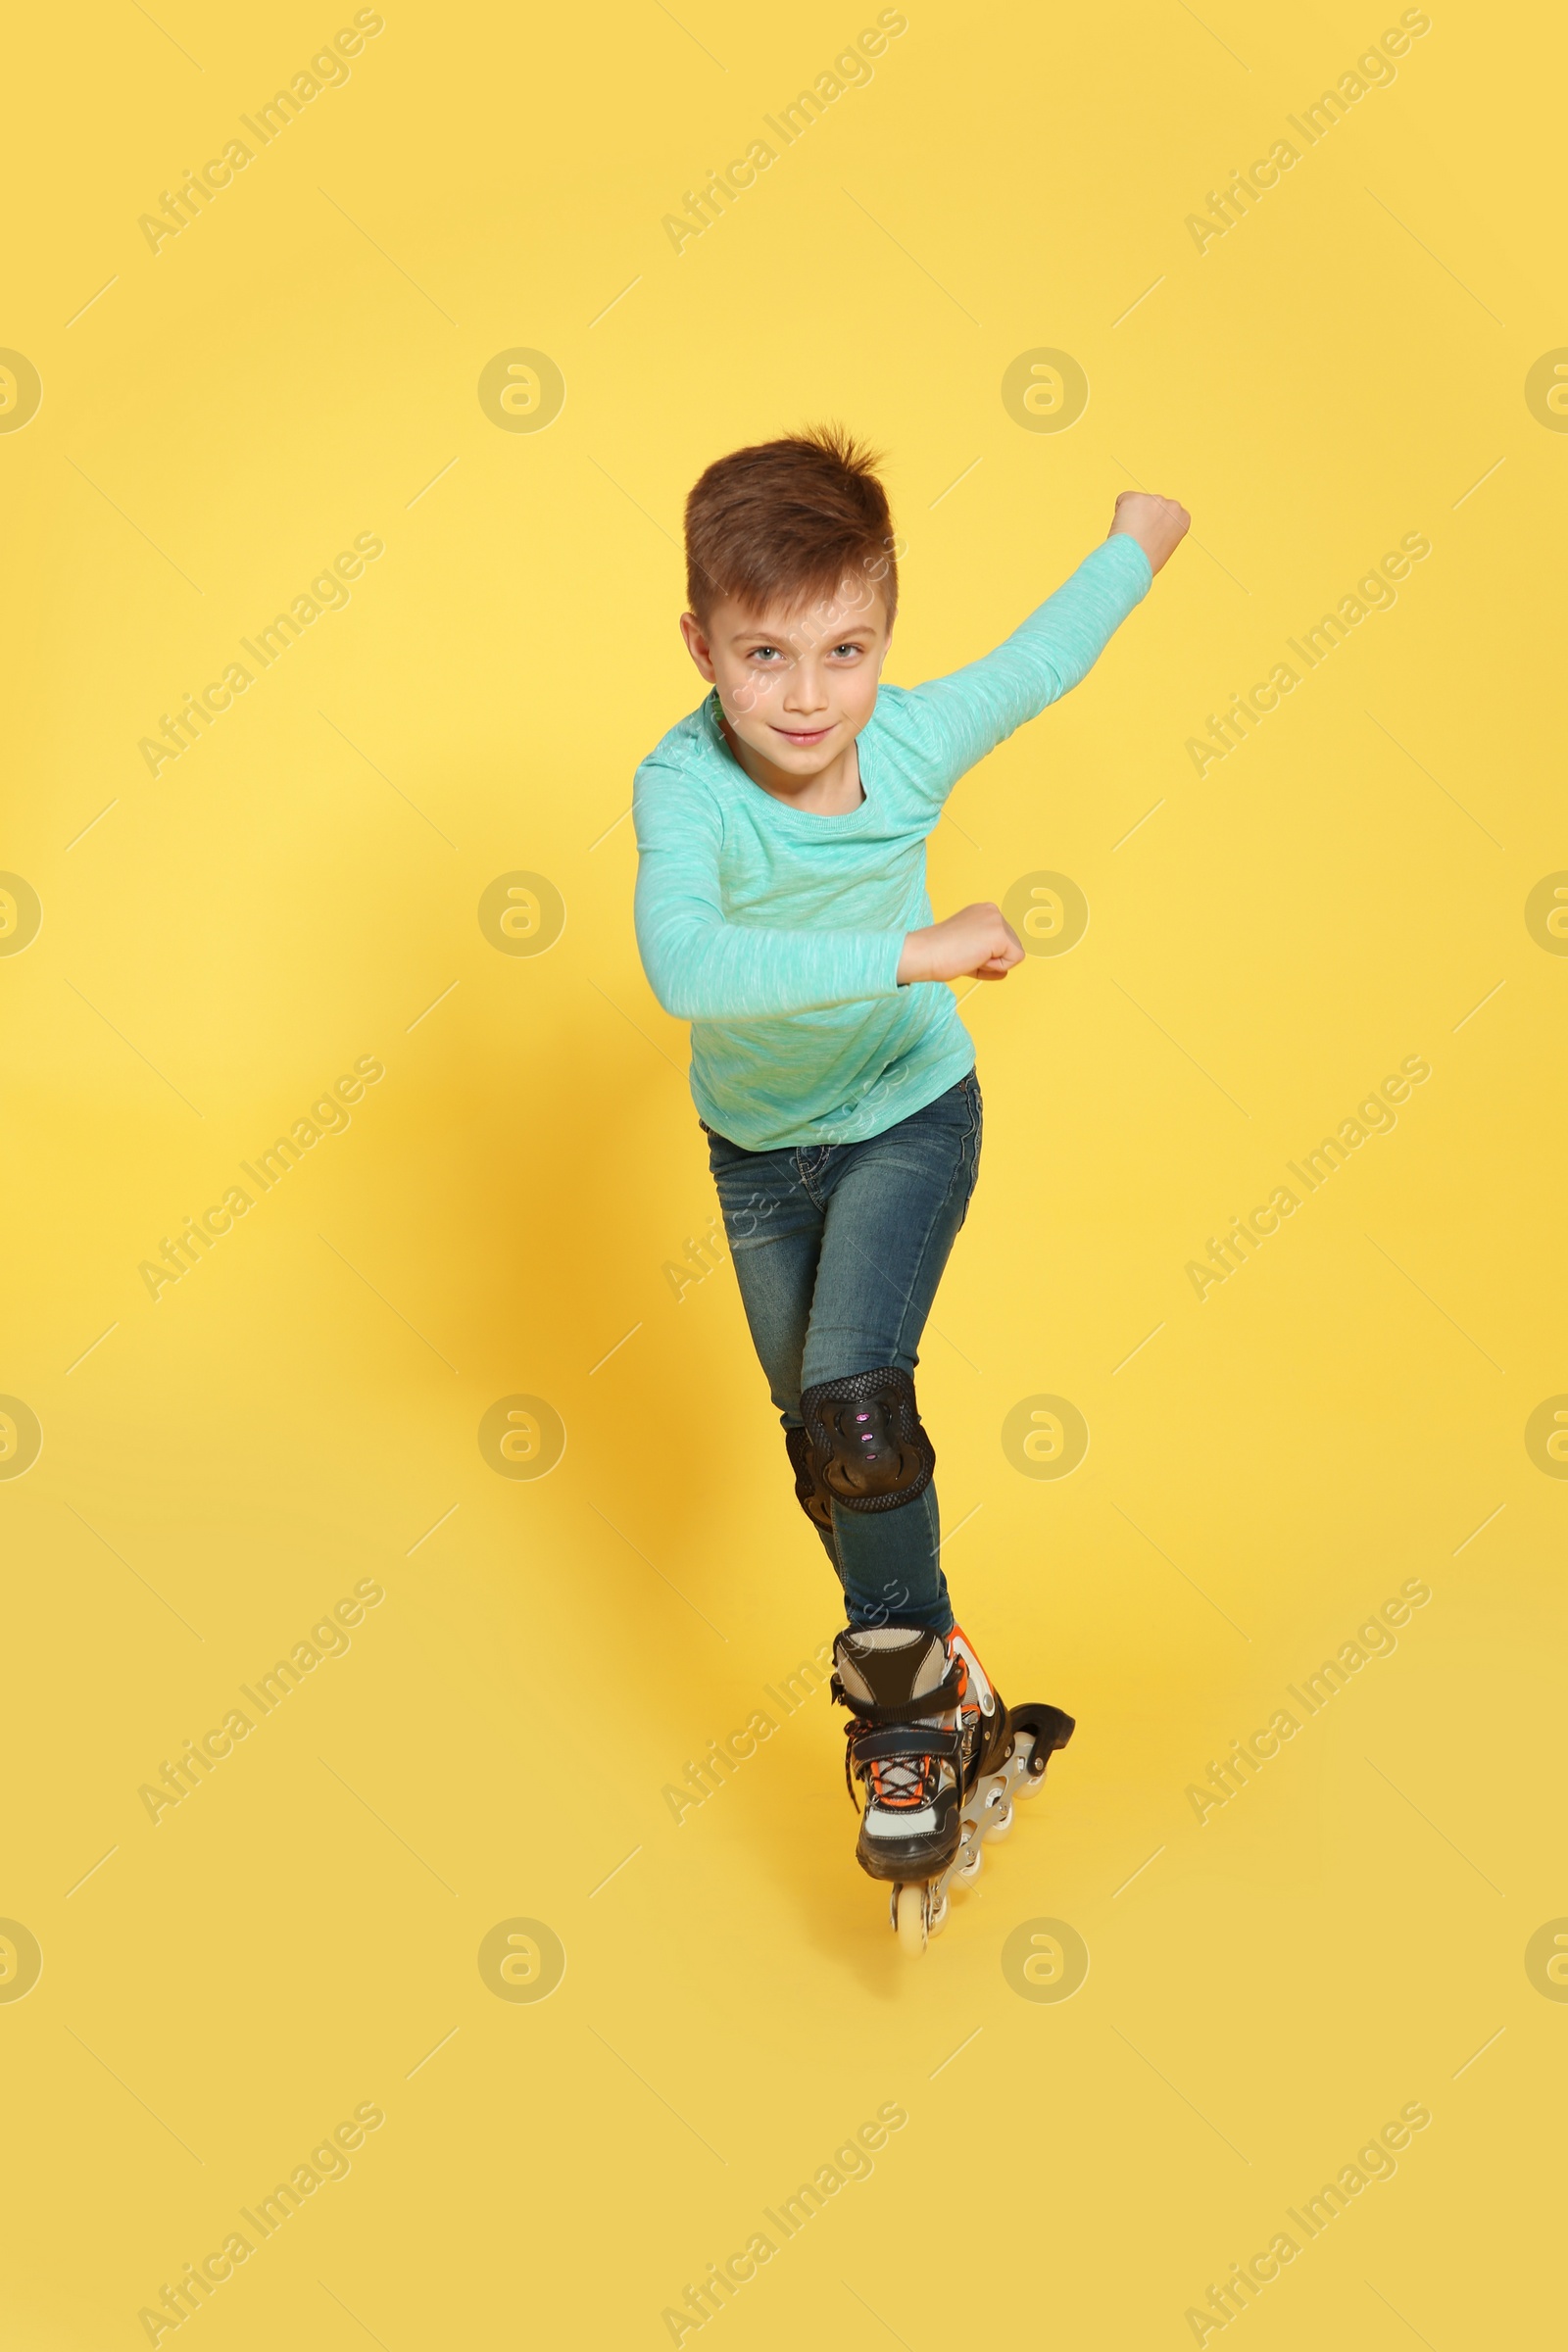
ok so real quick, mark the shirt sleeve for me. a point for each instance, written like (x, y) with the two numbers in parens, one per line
(703, 968)
(965, 715)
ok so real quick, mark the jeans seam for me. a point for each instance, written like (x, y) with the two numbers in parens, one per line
(971, 1146)
(806, 1176)
(964, 1161)
(939, 1210)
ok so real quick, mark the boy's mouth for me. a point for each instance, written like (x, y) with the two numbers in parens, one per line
(803, 737)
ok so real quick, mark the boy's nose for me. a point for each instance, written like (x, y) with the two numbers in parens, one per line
(806, 691)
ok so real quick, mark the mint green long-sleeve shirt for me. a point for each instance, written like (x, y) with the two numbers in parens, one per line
(777, 932)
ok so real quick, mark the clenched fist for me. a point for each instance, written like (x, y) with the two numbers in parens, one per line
(978, 942)
(1158, 524)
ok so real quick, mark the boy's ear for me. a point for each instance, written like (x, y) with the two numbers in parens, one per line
(696, 638)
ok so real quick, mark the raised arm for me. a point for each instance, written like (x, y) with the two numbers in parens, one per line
(967, 715)
(703, 968)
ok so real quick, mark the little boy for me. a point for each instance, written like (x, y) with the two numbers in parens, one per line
(783, 910)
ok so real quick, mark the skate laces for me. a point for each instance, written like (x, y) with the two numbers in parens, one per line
(899, 1783)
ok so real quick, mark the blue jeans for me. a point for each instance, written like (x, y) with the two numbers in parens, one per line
(838, 1249)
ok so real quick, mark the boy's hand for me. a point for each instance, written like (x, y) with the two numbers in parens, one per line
(977, 941)
(1158, 524)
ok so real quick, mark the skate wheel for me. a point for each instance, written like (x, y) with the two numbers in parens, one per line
(972, 1855)
(939, 1916)
(909, 1920)
(998, 1821)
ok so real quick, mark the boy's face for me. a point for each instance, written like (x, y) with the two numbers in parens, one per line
(795, 686)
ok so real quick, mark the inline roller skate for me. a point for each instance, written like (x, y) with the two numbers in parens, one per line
(939, 1760)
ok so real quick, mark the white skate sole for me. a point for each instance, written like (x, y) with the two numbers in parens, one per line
(919, 1907)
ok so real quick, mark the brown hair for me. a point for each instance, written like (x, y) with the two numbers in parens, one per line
(789, 521)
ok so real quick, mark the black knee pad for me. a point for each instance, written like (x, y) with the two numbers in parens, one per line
(864, 1445)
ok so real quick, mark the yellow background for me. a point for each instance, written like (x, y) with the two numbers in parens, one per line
(298, 367)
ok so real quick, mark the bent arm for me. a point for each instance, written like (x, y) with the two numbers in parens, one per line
(967, 715)
(701, 967)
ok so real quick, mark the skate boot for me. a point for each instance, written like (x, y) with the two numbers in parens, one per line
(939, 1759)
(904, 1746)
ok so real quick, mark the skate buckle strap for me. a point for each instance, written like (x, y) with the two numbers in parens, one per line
(910, 1747)
(909, 1742)
(947, 1695)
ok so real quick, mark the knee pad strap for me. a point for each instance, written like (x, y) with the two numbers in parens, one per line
(867, 1446)
(810, 1492)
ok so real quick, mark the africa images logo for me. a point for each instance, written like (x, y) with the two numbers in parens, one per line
(182, 1252)
(329, 69)
(1375, 1115)
(851, 70)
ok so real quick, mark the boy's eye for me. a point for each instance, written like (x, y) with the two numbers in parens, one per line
(845, 648)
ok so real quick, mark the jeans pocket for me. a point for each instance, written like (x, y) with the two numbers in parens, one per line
(747, 1199)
